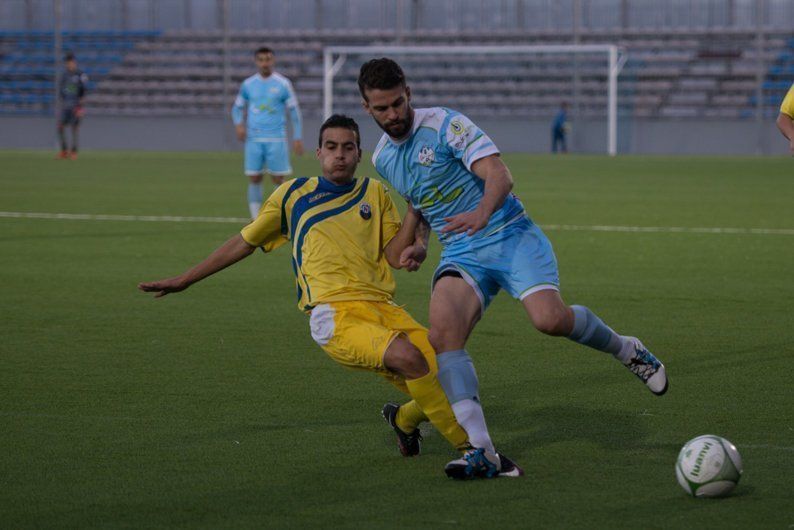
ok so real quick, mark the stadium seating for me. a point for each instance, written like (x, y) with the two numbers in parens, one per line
(27, 75)
(669, 74)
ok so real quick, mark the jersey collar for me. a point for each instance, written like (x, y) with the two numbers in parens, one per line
(326, 185)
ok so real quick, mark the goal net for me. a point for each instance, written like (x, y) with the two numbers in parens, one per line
(506, 83)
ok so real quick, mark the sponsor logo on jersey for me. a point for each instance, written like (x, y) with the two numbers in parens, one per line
(316, 197)
(262, 107)
(434, 196)
(365, 210)
(427, 156)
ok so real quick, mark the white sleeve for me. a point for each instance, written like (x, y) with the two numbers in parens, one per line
(467, 141)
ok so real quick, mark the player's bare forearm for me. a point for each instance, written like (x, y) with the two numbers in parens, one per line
(404, 238)
(498, 184)
(422, 232)
(235, 249)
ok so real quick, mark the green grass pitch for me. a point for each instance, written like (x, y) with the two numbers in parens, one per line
(213, 408)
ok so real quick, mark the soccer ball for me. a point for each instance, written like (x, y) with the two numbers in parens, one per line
(708, 466)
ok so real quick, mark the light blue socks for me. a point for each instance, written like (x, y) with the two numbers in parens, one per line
(254, 198)
(459, 380)
(591, 331)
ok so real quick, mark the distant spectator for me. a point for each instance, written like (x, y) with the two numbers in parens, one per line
(785, 120)
(71, 92)
(559, 129)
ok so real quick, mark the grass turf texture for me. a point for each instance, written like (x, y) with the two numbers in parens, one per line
(214, 408)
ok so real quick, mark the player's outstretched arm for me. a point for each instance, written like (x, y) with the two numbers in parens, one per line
(230, 252)
(498, 183)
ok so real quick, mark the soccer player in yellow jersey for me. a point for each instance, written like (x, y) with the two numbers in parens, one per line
(785, 120)
(345, 233)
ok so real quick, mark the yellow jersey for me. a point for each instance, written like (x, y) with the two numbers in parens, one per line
(338, 233)
(787, 107)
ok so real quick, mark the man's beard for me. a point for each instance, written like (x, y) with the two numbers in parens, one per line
(402, 131)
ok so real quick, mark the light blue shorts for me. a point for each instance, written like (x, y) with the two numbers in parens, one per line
(271, 157)
(518, 259)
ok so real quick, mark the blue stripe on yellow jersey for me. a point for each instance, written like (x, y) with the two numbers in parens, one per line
(338, 234)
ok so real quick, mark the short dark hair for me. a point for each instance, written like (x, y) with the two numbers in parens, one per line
(263, 49)
(69, 57)
(340, 121)
(380, 73)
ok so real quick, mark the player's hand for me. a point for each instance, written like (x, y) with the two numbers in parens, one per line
(469, 222)
(163, 287)
(240, 132)
(297, 147)
(412, 256)
(79, 112)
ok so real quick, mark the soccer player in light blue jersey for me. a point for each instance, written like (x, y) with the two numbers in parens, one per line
(259, 115)
(451, 172)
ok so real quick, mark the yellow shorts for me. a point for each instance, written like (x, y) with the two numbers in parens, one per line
(357, 334)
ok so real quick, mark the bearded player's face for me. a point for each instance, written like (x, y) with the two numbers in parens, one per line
(265, 62)
(391, 109)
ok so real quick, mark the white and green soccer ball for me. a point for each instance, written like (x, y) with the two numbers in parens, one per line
(708, 466)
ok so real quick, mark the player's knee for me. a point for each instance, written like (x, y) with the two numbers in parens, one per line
(556, 322)
(255, 179)
(443, 339)
(409, 362)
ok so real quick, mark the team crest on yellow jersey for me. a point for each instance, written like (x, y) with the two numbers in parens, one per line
(365, 211)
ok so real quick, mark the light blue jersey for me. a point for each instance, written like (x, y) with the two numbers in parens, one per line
(266, 100)
(431, 169)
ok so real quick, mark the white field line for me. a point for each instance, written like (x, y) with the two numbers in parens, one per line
(101, 217)
(551, 227)
(673, 229)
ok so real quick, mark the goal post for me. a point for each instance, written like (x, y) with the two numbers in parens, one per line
(334, 58)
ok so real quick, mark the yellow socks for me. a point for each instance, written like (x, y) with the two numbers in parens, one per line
(409, 416)
(430, 398)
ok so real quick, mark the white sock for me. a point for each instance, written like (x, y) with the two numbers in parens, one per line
(471, 417)
(254, 208)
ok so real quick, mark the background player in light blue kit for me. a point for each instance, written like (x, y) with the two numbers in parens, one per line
(259, 115)
(451, 171)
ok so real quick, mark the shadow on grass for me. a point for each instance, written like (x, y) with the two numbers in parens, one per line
(551, 425)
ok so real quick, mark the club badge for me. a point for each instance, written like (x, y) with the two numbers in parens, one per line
(365, 210)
